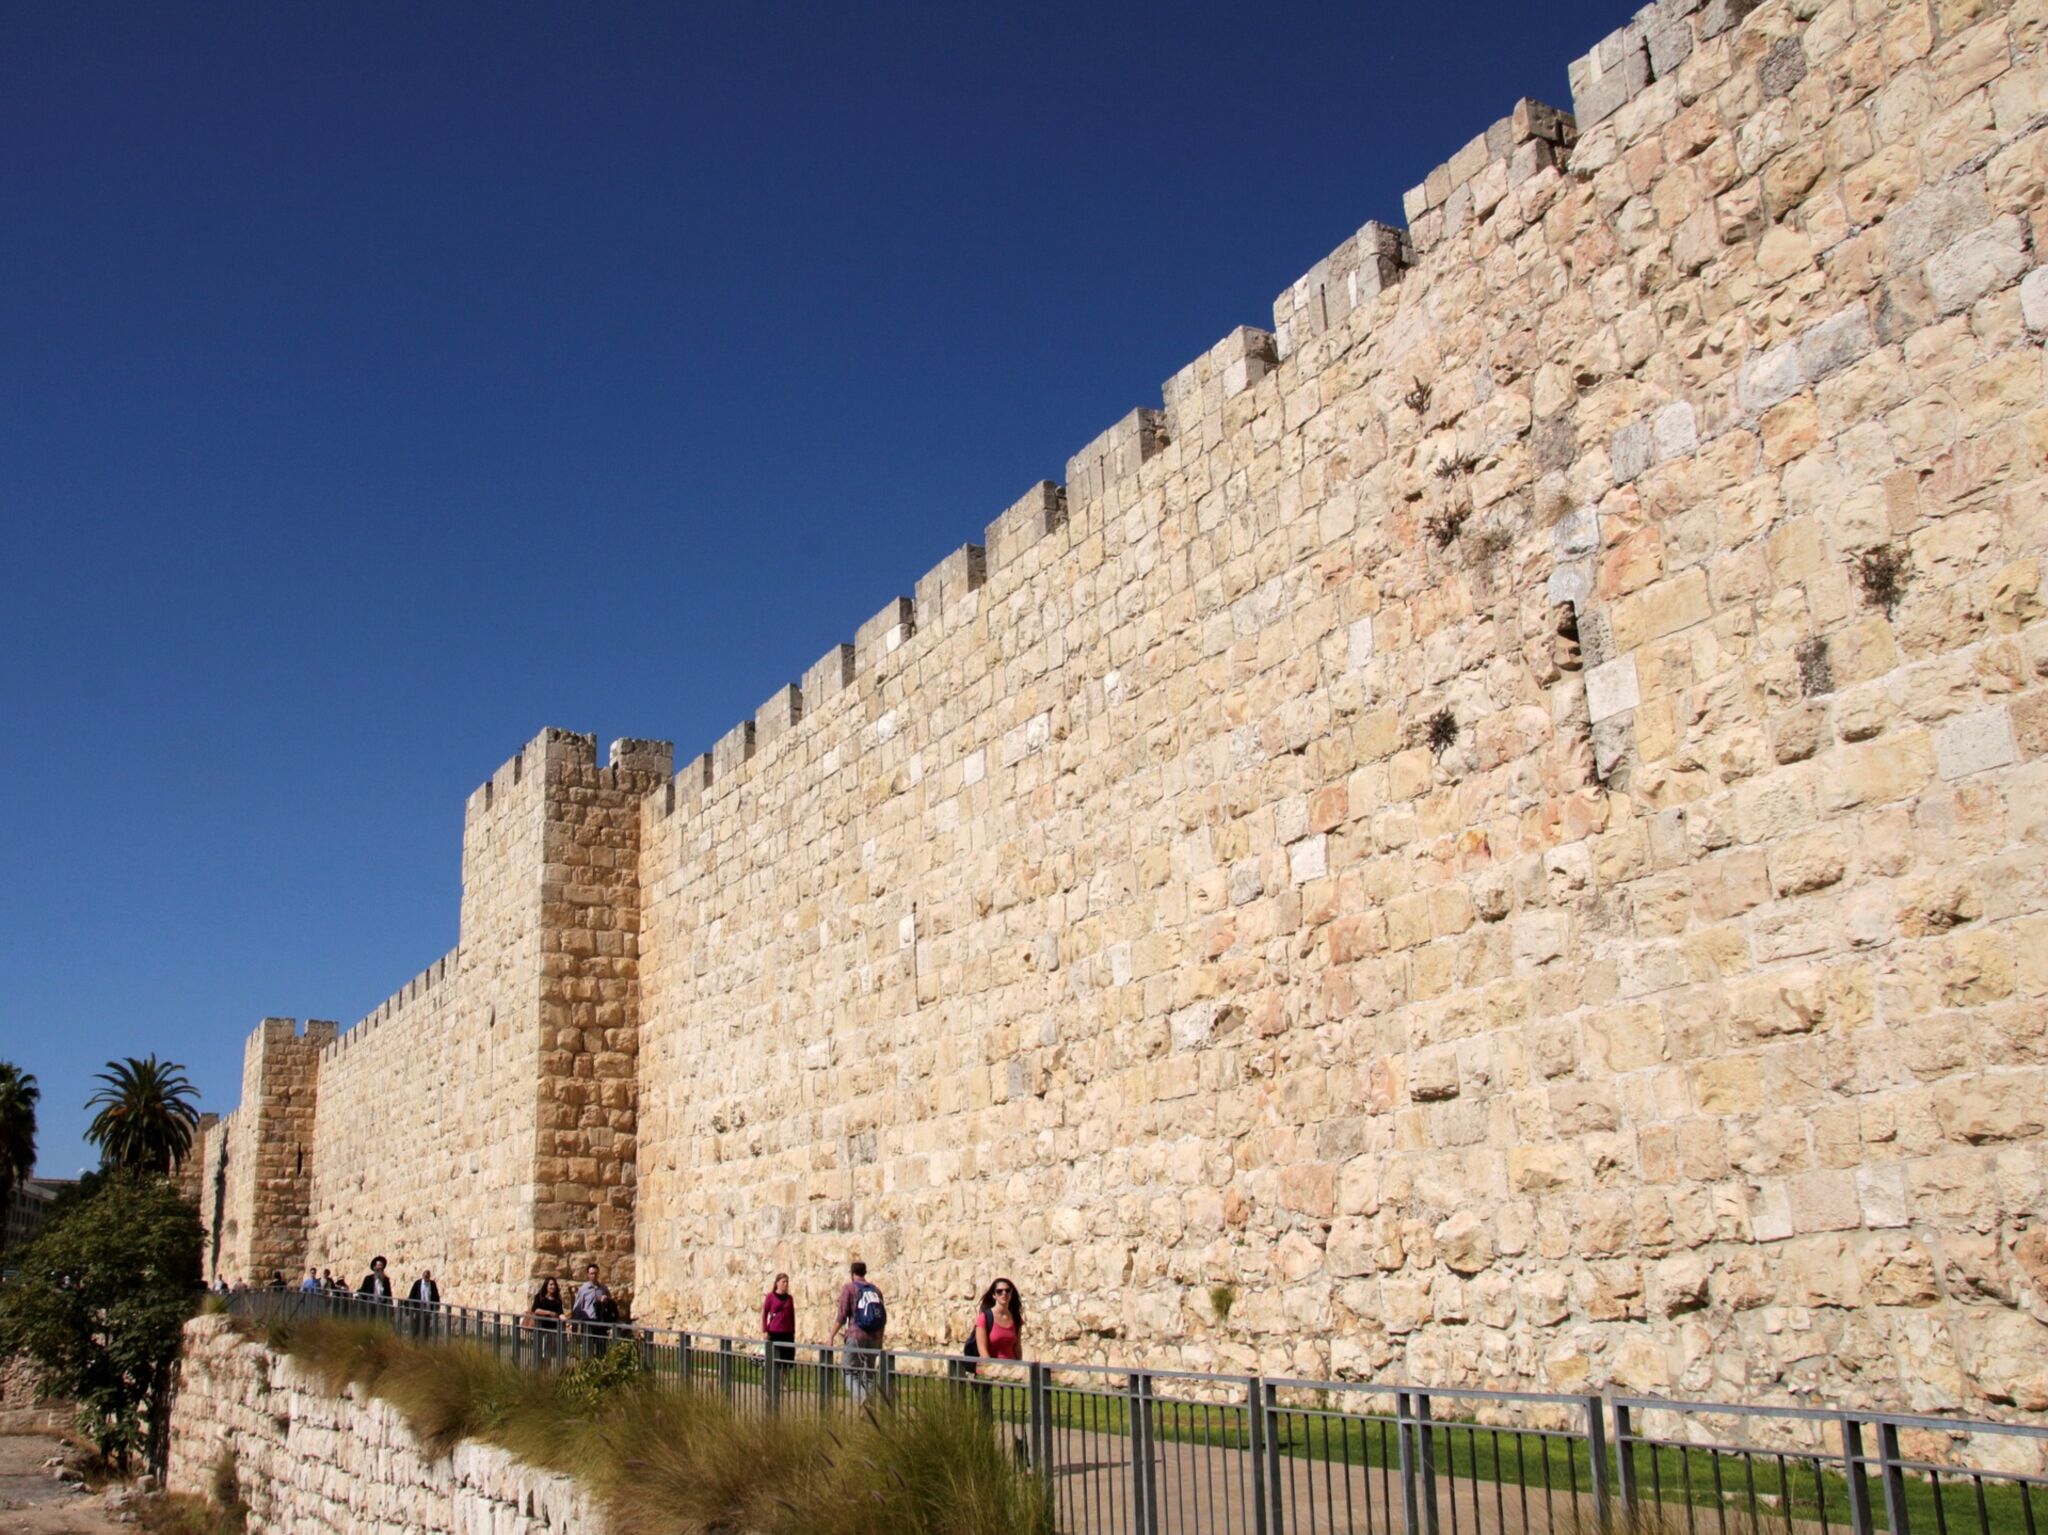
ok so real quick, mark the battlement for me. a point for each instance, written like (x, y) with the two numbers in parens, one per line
(277, 1033)
(1458, 195)
(1467, 188)
(1660, 37)
(398, 1006)
(629, 763)
(1196, 394)
(945, 592)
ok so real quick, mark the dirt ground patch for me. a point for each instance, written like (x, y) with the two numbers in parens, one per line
(32, 1503)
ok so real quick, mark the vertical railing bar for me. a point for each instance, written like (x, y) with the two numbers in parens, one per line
(1411, 1502)
(1038, 1407)
(1895, 1514)
(1276, 1509)
(1145, 1490)
(1596, 1452)
(1350, 1500)
(1425, 1466)
(1860, 1519)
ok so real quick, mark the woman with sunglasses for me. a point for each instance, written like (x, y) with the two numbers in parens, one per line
(999, 1323)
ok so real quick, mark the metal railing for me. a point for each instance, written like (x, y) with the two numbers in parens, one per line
(1131, 1451)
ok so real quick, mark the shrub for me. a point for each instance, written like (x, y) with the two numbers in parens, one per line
(341, 1353)
(664, 1458)
(586, 1384)
(222, 1512)
(99, 1301)
(941, 1469)
(449, 1394)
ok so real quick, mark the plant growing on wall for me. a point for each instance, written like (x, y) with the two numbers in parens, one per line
(1455, 473)
(1882, 573)
(1442, 730)
(98, 1299)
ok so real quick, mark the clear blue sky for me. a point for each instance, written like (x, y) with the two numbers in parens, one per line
(381, 383)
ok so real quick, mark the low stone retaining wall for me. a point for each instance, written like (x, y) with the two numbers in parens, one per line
(22, 1410)
(310, 1460)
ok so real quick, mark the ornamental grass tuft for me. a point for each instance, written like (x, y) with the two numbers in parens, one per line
(666, 1460)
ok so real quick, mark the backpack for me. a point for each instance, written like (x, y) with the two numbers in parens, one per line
(972, 1347)
(870, 1315)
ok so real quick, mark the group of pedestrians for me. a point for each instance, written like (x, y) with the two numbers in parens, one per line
(593, 1302)
(862, 1319)
(591, 1313)
(376, 1284)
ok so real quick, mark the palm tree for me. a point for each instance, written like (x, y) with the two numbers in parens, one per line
(146, 1115)
(18, 1097)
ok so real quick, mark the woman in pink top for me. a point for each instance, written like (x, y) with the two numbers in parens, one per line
(999, 1323)
(778, 1319)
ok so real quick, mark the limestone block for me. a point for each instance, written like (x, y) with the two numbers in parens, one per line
(1226, 370)
(1975, 743)
(1979, 263)
(1770, 377)
(1631, 450)
(2034, 299)
(1835, 342)
(1612, 688)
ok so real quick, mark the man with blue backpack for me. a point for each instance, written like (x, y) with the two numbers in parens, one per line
(863, 1317)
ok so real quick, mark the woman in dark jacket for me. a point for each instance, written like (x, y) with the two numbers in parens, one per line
(778, 1320)
(544, 1315)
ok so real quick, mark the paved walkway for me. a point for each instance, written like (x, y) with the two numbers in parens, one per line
(1207, 1489)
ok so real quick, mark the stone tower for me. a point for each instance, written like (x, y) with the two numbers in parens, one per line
(256, 1166)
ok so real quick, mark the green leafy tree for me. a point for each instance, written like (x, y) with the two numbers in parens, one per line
(146, 1115)
(18, 1097)
(99, 1299)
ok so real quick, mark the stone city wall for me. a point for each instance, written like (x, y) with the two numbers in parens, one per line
(308, 1459)
(1495, 838)
(481, 1121)
(1446, 828)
